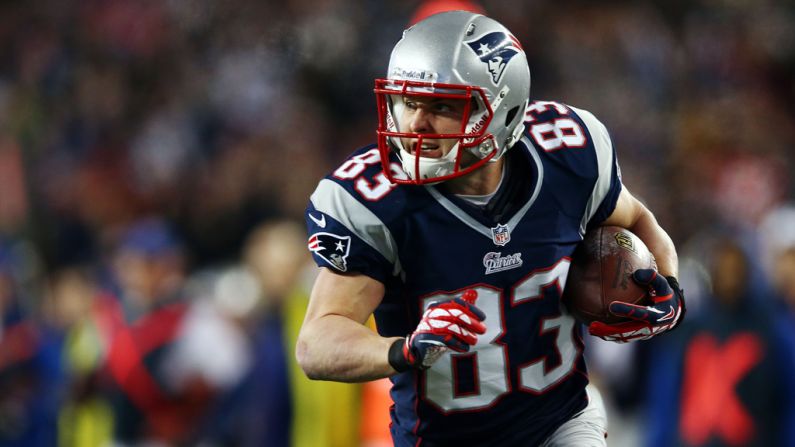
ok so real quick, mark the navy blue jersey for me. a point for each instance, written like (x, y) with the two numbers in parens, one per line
(526, 374)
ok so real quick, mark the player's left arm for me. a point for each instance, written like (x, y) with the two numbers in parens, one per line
(666, 307)
(625, 210)
(631, 214)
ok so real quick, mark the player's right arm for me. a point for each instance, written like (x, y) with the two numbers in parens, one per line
(357, 254)
(334, 344)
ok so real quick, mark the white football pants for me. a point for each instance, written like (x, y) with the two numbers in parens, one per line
(587, 428)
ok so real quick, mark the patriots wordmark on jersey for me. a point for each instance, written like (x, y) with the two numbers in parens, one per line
(526, 375)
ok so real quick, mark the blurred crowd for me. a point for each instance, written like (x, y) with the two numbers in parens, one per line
(156, 158)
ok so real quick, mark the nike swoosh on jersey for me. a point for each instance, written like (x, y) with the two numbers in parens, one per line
(320, 222)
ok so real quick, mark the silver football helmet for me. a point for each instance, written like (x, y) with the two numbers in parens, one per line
(455, 55)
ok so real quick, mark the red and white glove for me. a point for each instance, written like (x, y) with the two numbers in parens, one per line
(664, 314)
(446, 325)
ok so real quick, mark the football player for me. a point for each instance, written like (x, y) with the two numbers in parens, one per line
(460, 247)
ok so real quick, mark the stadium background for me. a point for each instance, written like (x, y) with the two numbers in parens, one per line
(154, 153)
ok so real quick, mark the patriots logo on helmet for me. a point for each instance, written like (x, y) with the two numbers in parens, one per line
(332, 248)
(495, 49)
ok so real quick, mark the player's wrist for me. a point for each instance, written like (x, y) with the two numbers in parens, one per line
(396, 357)
(674, 283)
(677, 289)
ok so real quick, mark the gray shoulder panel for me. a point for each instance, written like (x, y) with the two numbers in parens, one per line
(605, 159)
(332, 199)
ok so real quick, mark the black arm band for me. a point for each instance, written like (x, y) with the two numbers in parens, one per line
(396, 358)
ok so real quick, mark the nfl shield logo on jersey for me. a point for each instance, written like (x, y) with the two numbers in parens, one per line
(501, 235)
(332, 248)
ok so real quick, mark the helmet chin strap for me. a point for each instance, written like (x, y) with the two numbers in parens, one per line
(429, 167)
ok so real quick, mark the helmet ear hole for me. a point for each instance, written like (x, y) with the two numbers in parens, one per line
(511, 115)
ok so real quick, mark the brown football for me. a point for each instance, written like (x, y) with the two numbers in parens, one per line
(600, 273)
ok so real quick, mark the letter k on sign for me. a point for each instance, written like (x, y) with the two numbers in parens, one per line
(709, 398)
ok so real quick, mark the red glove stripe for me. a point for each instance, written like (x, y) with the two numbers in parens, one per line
(659, 299)
(407, 353)
(601, 329)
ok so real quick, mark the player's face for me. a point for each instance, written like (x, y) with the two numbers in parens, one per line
(424, 115)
